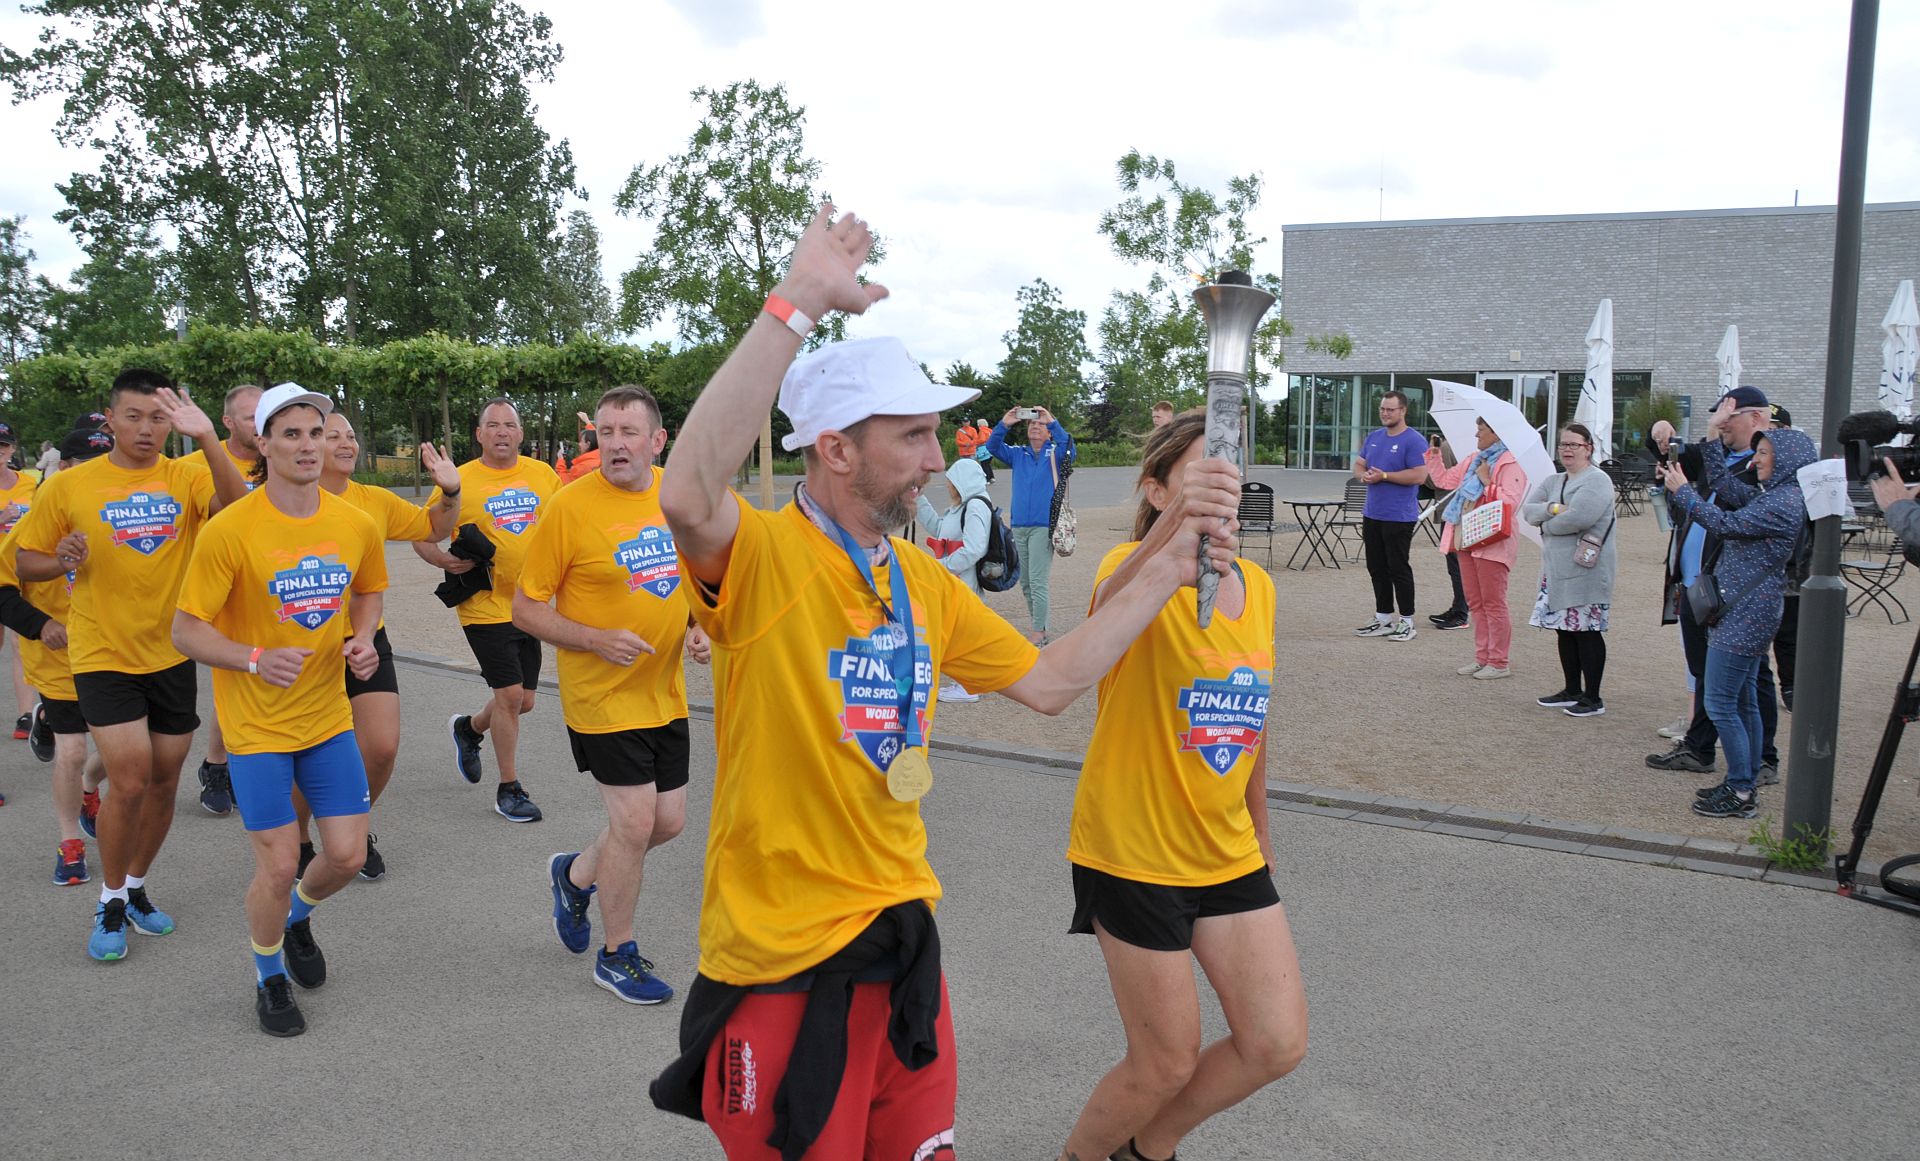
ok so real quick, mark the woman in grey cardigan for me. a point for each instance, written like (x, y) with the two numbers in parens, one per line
(1575, 515)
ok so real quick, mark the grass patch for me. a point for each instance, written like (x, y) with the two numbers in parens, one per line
(1806, 852)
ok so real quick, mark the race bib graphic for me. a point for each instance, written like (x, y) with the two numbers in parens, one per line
(312, 591)
(864, 670)
(143, 521)
(1224, 718)
(514, 510)
(650, 563)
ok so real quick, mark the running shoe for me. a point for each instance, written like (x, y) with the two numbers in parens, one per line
(40, 734)
(1587, 707)
(1724, 803)
(511, 803)
(1374, 629)
(90, 812)
(466, 747)
(1493, 673)
(955, 692)
(375, 867)
(630, 977)
(1680, 758)
(1674, 732)
(1403, 630)
(305, 962)
(1449, 620)
(109, 939)
(145, 917)
(216, 788)
(570, 904)
(71, 864)
(1560, 700)
(279, 1015)
(1767, 775)
(21, 725)
(1470, 670)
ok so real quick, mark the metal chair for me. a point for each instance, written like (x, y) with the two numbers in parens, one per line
(1881, 561)
(1349, 519)
(1256, 515)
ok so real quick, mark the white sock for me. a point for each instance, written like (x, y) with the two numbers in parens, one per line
(136, 881)
(1384, 618)
(108, 894)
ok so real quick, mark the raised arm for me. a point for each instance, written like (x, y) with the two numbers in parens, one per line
(718, 434)
(187, 419)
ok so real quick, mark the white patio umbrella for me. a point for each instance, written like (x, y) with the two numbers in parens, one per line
(1456, 406)
(1595, 408)
(1899, 352)
(1728, 356)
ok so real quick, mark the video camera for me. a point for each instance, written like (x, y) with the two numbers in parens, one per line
(1867, 438)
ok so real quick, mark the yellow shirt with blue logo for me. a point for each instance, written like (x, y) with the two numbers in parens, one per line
(47, 671)
(1163, 791)
(607, 555)
(505, 504)
(805, 845)
(273, 581)
(139, 525)
(27, 481)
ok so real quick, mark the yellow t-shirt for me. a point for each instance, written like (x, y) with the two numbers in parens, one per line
(272, 581)
(198, 456)
(47, 672)
(505, 505)
(1163, 792)
(608, 556)
(805, 846)
(139, 527)
(393, 517)
(22, 494)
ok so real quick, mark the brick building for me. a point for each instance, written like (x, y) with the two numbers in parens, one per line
(1504, 303)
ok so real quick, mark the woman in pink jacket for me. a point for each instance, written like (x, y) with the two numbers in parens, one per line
(1490, 474)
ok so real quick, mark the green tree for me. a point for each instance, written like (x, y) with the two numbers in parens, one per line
(577, 301)
(23, 295)
(726, 215)
(1046, 351)
(122, 295)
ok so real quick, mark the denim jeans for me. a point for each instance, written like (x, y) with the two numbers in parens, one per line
(1732, 701)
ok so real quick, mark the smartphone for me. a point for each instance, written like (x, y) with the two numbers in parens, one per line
(1028, 413)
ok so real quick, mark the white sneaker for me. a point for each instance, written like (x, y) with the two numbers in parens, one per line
(1469, 670)
(953, 691)
(1374, 629)
(1675, 731)
(1403, 630)
(1493, 673)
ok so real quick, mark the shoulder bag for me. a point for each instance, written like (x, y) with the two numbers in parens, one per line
(1065, 534)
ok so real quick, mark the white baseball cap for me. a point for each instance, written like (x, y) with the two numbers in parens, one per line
(274, 400)
(843, 383)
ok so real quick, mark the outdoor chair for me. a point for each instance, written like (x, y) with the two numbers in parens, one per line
(1256, 516)
(1878, 562)
(1628, 488)
(1348, 521)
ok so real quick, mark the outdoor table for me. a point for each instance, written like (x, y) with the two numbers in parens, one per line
(1315, 518)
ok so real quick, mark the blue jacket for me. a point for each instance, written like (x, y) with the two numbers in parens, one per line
(1032, 505)
(1756, 539)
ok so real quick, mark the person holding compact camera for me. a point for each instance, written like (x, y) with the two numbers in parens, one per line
(1660, 450)
(1040, 467)
(1739, 592)
(1895, 499)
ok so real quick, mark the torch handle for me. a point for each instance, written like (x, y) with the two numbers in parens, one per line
(1226, 395)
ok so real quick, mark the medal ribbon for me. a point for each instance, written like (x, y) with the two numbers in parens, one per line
(899, 613)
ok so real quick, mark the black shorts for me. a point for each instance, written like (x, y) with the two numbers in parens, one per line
(385, 679)
(656, 757)
(167, 699)
(506, 655)
(1160, 918)
(63, 717)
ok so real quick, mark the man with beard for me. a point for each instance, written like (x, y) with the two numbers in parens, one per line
(502, 494)
(281, 600)
(243, 450)
(604, 557)
(819, 1018)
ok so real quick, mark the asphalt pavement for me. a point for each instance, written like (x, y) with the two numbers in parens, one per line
(1468, 999)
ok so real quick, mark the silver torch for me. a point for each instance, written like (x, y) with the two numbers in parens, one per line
(1232, 307)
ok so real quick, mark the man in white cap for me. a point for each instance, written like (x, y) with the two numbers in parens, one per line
(281, 599)
(819, 1018)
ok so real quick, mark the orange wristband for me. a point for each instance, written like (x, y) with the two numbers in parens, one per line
(253, 661)
(789, 314)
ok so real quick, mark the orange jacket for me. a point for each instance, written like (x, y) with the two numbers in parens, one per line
(583, 463)
(966, 440)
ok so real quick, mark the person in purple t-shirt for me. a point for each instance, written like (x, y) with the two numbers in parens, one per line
(1392, 463)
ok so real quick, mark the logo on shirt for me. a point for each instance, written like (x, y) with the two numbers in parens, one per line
(312, 591)
(864, 670)
(650, 562)
(514, 510)
(143, 521)
(1224, 717)
(743, 1078)
(8, 526)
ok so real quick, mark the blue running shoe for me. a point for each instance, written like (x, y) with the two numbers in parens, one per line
(145, 917)
(109, 939)
(71, 865)
(627, 975)
(570, 904)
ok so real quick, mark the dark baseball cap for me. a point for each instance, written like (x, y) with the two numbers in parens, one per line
(89, 421)
(1744, 397)
(1780, 415)
(81, 445)
(6, 433)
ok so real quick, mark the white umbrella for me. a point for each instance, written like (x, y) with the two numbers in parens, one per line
(1728, 356)
(1899, 352)
(1456, 406)
(1595, 408)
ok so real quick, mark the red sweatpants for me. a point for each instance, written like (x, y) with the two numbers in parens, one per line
(884, 1112)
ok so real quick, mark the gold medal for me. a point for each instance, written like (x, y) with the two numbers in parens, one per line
(909, 777)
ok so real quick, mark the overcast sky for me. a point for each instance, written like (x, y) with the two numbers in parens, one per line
(981, 138)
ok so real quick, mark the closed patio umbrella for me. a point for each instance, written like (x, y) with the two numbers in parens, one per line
(1595, 408)
(1728, 357)
(1899, 352)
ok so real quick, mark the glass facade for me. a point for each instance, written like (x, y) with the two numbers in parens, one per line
(1332, 414)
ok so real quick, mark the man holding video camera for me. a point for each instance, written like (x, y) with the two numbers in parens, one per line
(1895, 499)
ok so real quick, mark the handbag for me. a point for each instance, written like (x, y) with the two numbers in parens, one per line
(1487, 522)
(1065, 534)
(1586, 553)
(1703, 595)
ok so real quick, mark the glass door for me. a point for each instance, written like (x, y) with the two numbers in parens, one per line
(1530, 391)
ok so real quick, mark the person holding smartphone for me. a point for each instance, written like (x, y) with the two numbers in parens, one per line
(1040, 466)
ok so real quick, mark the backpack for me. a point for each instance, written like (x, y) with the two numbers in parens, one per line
(1800, 563)
(998, 569)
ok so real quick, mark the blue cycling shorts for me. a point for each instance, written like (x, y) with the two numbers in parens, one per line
(330, 775)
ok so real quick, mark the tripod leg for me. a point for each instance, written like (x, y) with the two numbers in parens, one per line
(1906, 706)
